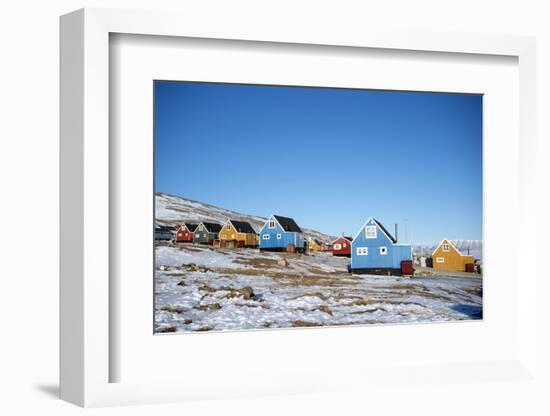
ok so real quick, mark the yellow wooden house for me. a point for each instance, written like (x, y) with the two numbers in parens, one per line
(240, 231)
(314, 245)
(447, 257)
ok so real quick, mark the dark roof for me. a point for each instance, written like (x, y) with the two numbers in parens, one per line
(392, 238)
(212, 227)
(190, 226)
(348, 237)
(288, 224)
(243, 227)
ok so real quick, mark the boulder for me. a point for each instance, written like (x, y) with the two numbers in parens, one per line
(247, 292)
(282, 262)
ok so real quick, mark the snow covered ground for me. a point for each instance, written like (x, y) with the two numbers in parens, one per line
(198, 288)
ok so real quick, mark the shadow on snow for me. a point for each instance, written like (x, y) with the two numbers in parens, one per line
(471, 311)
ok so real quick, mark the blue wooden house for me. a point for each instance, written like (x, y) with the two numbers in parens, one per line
(375, 251)
(279, 232)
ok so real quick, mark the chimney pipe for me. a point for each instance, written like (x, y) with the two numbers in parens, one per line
(396, 239)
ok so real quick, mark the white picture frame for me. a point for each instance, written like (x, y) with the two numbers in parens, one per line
(86, 265)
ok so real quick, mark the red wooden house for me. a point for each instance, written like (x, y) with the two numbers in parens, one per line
(186, 233)
(342, 246)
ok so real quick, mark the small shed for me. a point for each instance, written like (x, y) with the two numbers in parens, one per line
(206, 232)
(326, 246)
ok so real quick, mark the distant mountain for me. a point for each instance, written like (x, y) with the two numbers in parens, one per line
(471, 247)
(171, 209)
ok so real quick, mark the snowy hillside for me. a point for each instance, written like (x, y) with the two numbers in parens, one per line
(170, 209)
(471, 247)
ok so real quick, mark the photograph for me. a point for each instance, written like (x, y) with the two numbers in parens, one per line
(300, 206)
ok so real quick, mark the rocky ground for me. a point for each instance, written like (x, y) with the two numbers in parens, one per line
(198, 288)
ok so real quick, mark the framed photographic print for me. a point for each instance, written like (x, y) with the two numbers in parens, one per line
(325, 157)
(273, 207)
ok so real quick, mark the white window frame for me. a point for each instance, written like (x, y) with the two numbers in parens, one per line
(337, 246)
(266, 236)
(269, 224)
(362, 251)
(440, 259)
(224, 237)
(228, 226)
(279, 236)
(383, 251)
(370, 228)
(445, 247)
(345, 245)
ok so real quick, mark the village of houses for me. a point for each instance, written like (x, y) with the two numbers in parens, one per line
(218, 272)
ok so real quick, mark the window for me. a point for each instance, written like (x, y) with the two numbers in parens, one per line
(279, 236)
(337, 246)
(232, 236)
(439, 260)
(224, 236)
(228, 227)
(383, 251)
(362, 251)
(265, 236)
(445, 247)
(345, 245)
(370, 231)
(271, 224)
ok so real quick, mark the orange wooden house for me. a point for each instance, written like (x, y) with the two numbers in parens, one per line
(240, 231)
(447, 257)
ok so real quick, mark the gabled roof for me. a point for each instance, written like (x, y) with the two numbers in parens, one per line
(379, 224)
(452, 245)
(342, 236)
(243, 227)
(190, 226)
(391, 237)
(288, 224)
(212, 227)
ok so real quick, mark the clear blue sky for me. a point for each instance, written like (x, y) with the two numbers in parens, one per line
(329, 158)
